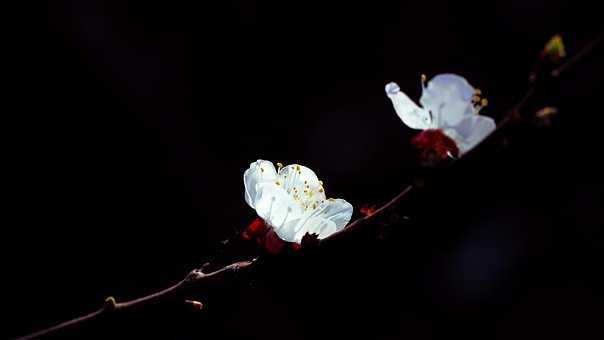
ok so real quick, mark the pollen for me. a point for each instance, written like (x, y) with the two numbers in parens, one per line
(278, 183)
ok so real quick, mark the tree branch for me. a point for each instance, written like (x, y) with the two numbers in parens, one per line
(193, 279)
(197, 277)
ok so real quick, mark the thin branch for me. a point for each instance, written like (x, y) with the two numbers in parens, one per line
(578, 56)
(363, 220)
(193, 279)
(196, 277)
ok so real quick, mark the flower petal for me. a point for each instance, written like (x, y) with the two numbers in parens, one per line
(338, 211)
(302, 183)
(317, 225)
(449, 98)
(275, 206)
(324, 220)
(259, 172)
(471, 131)
(288, 231)
(412, 115)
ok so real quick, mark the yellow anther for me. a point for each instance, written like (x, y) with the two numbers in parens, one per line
(297, 167)
(484, 102)
(279, 166)
(477, 92)
(278, 183)
(423, 77)
(476, 99)
(314, 205)
(321, 189)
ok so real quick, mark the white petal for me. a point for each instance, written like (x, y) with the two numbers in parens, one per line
(317, 225)
(288, 231)
(259, 172)
(449, 98)
(471, 131)
(327, 218)
(302, 183)
(412, 115)
(275, 206)
(338, 211)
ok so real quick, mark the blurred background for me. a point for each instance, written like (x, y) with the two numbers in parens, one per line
(132, 122)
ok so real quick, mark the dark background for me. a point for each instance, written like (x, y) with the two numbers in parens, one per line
(128, 126)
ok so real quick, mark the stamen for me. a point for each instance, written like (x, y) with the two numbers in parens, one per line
(289, 209)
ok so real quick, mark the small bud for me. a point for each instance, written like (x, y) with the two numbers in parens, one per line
(544, 116)
(554, 49)
(110, 303)
(546, 112)
(368, 210)
(195, 305)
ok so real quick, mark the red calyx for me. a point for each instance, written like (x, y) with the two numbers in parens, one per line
(434, 146)
(255, 229)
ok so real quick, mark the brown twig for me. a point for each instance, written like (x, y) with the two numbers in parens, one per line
(193, 279)
(197, 277)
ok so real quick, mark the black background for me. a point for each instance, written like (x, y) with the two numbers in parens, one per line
(128, 126)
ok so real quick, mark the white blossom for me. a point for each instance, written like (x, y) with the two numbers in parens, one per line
(448, 103)
(291, 200)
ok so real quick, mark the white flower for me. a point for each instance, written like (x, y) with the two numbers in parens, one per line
(292, 201)
(448, 103)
